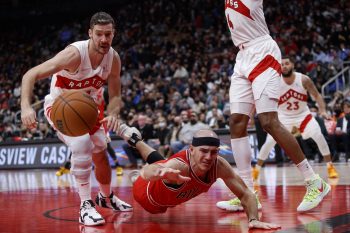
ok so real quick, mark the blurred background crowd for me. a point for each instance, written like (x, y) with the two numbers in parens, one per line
(177, 58)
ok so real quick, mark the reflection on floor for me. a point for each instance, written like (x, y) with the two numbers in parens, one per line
(38, 201)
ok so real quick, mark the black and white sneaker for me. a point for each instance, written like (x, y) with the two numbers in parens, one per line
(112, 202)
(88, 214)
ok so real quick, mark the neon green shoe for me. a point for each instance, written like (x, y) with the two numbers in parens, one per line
(316, 190)
(234, 204)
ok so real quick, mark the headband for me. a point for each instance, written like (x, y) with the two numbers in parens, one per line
(205, 141)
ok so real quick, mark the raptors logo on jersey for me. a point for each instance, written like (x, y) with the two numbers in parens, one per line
(293, 99)
(85, 78)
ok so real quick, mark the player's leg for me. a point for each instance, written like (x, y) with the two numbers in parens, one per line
(103, 173)
(111, 153)
(241, 106)
(81, 148)
(263, 154)
(313, 130)
(316, 187)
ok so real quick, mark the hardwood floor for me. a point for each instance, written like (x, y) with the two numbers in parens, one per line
(38, 201)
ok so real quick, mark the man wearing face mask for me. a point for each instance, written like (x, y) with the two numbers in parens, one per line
(187, 131)
(294, 112)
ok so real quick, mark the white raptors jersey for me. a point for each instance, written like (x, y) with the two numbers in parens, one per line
(85, 78)
(292, 104)
(246, 20)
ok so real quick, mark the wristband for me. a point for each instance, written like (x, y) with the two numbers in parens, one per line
(134, 139)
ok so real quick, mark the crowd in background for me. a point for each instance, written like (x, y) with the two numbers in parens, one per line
(177, 58)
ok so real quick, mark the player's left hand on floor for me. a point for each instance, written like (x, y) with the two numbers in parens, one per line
(262, 225)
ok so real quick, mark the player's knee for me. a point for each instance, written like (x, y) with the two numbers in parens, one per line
(81, 146)
(268, 122)
(81, 166)
(100, 144)
(238, 125)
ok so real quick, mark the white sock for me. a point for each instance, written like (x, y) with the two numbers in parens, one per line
(246, 176)
(105, 189)
(305, 169)
(84, 190)
(242, 155)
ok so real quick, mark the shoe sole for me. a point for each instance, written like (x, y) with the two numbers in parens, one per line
(324, 193)
(111, 208)
(93, 224)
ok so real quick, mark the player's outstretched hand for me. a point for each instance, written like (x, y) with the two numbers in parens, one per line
(172, 175)
(112, 122)
(28, 117)
(262, 225)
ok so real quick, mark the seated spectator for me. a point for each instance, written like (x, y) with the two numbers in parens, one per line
(163, 134)
(187, 131)
(175, 143)
(342, 131)
(147, 133)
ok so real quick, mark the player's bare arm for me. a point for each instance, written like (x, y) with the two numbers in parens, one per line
(114, 92)
(172, 172)
(311, 88)
(68, 59)
(248, 199)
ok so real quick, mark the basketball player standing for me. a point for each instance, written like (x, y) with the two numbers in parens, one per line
(87, 66)
(294, 112)
(255, 81)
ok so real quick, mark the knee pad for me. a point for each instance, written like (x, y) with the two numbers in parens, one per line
(81, 167)
(80, 145)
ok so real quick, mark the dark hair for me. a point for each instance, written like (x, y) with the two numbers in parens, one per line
(291, 59)
(346, 102)
(102, 18)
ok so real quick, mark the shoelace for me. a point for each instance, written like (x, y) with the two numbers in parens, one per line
(87, 205)
(235, 201)
(311, 192)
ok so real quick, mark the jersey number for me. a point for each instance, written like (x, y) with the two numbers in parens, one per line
(292, 106)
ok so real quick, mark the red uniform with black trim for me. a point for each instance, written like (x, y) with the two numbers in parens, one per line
(156, 196)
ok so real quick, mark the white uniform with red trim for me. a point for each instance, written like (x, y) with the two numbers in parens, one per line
(257, 67)
(86, 79)
(294, 112)
(292, 105)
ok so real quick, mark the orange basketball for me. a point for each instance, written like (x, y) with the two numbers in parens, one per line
(74, 113)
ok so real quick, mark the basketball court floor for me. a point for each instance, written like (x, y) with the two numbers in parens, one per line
(38, 201)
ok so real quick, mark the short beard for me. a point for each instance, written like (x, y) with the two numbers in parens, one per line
(288, 74)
